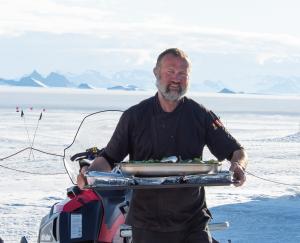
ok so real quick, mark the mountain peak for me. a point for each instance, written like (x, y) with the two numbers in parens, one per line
(55, 75)
(57, 80)
(226, 91)
(34, 72)
(84, 86)
(36, 75)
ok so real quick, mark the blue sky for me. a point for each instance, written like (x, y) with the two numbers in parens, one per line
(225, 39)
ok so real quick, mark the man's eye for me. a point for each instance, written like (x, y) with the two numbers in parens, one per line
(183, 74)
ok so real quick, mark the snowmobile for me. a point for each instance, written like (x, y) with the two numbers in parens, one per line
(97, 213)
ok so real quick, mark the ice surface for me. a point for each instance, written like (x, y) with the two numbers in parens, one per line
(267, 126)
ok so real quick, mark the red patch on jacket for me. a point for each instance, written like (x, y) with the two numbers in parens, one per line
(217, 124)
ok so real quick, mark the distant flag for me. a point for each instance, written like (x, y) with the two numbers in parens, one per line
(22, 113)
(44, 109)
(31, 108)
(17, 109)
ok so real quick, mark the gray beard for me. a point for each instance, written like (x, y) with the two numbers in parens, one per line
(169, 94)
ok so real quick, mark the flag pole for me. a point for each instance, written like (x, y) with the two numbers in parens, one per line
(36, 128)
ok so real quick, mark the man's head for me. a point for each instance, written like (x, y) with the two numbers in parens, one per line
(172, 74)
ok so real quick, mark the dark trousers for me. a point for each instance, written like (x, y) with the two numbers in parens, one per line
(185, 236)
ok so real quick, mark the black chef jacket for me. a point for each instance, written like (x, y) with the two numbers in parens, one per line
(145, 132)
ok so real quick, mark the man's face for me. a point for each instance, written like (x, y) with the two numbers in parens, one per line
(172, 77)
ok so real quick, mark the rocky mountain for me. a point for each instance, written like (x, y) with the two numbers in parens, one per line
(35, 79)
(207, 86)
(31, 82)
(127, 87)
(268, 84)
(226, 91)
(122, 79)
(8, 82)
(93, 78)
(279, 85)
(84, 86)
(139, 78)
(142, 80)
(57, 80)
(35, 75)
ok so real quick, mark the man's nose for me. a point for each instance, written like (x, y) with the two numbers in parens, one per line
(177, 78)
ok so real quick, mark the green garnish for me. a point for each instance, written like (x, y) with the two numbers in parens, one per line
(180, 161)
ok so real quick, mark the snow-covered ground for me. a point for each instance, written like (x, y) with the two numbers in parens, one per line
(267, 126)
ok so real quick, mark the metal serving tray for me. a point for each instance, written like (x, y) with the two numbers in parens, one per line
(116, 181)
(168, 169)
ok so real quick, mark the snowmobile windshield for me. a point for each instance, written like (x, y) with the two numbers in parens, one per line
(94, 131)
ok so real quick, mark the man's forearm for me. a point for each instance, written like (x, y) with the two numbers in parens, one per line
(100, 164)
(241, 157)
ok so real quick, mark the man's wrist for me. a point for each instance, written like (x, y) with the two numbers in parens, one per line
(240, 164)
(84, 169)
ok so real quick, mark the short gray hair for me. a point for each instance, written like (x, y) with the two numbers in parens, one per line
(175, 52)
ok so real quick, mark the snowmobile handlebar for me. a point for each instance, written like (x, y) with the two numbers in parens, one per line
(89, 154)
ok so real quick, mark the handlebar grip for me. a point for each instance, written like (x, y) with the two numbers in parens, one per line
(90, 154)
(83, 163)
(79, 155)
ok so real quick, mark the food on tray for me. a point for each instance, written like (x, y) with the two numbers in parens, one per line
(180, 161)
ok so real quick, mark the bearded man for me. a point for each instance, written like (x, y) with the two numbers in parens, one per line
(169, 124)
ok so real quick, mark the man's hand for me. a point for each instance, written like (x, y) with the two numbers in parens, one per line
(99, 164)
(81, 180)
(238, 173)
(238, 166)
